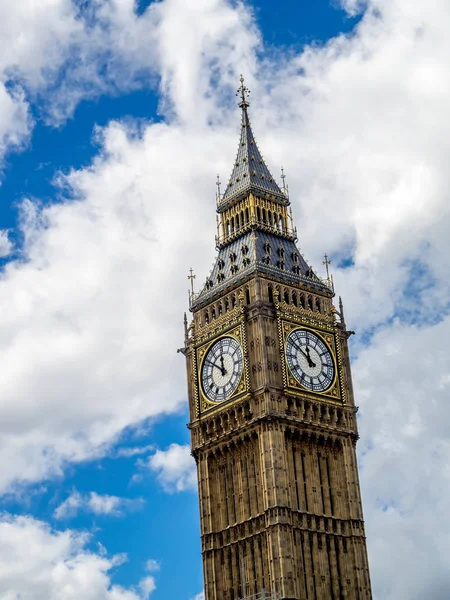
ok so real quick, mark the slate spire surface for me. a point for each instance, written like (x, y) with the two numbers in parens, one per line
(250, 172)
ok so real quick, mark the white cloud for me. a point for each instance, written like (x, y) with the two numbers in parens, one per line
(59, 52)
(130, 451)
(200, 596)
(38, 563)
(147, 586)
(152, 565)
(175, 468)
(6, 245)
(98, 504)
(403, 381)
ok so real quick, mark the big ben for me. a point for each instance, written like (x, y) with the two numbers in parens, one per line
(272, 413)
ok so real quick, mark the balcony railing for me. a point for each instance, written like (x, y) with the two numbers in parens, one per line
(287, 230)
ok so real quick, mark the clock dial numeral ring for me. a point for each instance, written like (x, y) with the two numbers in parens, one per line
(222, 369)
(310, 360)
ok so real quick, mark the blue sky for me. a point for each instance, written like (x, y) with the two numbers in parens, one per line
(114, 121)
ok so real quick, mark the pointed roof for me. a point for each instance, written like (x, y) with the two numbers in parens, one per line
(250, 172)
(265, 253)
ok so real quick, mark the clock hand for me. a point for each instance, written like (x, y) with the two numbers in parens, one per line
(310, 362)
(213, 364)
(305, 355)
(222, 368)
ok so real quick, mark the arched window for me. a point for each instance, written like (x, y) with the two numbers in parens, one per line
(213, 313)
(227, 305)
(233, 300)
(310, 303)
(206, 316)
(318, 305)
(247, 215)
(247, 295)
(302, 300)
(294, 299)
(286, 296)
(270, 291)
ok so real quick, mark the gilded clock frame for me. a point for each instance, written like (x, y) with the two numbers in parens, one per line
(204, 403)
(336, 391)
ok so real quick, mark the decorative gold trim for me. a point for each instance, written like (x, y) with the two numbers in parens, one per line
(195, 383)
(220, 324)
(341, 368)
(328, 333)
(305, 316)
(327, 339)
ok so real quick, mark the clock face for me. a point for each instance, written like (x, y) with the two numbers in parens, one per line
(309, 360)
(222, 369)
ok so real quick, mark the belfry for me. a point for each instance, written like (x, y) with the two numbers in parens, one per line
(272, 413)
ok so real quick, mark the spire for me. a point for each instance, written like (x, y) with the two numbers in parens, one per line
(250, 172)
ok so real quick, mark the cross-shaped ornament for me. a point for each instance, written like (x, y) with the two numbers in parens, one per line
(191, 277)
(327, 262)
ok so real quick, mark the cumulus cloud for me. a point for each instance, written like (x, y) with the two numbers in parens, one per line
(100, 272)
(41, 564)
(152, 565)
(98, 504)
(403, 381)
(91, 316)
(6, 245)
(147, 586)
(175, 468)
(80, 51)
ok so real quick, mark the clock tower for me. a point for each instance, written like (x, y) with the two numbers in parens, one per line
(272, 414)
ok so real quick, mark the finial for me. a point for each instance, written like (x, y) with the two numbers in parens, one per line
(186, 331)
(283, 177)
(253, 238)
(327, 262)
(191, 276)
(341, 310)
(218, 184)
(243, 92)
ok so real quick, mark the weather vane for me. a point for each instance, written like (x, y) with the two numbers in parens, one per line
(243, 92)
